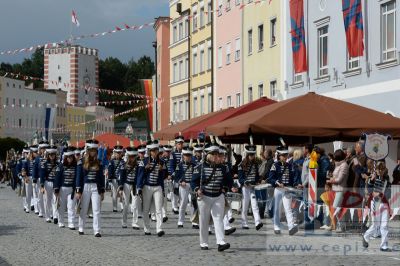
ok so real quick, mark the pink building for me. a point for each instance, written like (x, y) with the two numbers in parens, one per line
(162, 27)
(228, 61)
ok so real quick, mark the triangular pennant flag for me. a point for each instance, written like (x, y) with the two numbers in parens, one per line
(351, 214)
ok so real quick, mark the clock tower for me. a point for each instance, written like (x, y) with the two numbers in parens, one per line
(74, 69)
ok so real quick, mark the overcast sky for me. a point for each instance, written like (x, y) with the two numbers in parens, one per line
(30, 22)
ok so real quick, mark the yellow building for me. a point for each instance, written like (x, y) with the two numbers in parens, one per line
(179, 59)
(201, 58)
(75, 117)
(263, 46)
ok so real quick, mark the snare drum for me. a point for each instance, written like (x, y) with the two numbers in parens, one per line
(261, 192)
(230, 196)
(294, 192)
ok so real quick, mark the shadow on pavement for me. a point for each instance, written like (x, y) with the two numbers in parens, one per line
(8, 230)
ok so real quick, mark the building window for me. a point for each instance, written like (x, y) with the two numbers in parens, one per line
(175, 72)
(174, 34)
(250, 41)
(237, 2)
(238, 100)
(194, 21)
(186, 109)
(260, 37)
(195, 106)
(19, 102)
(180, 111)
(353, 63)
(13, 102)
(181, 70)
(388, 31)
(323, 51)
(228, 5)
(209, 102)
(201, 17)
(250, 93)
(201, 60)
(228, 53)
(272, 87)
(298, 77)
(209, 12)
(229, 101)
(180, 31)
(237, 50)
(219, 57)
(260, 90)
(201, 104)
(20, 122)
(273, 31)
(219, 7)
(209, 55)
(194, 63)
(187, 68)
(174, 111)
(220, 103)
(186, 27)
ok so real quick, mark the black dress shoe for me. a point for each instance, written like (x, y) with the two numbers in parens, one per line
(140, 217)
(55, 221)
(245, 227)
(195, 226)
(161, 233)
(147, 233)
(365, 243)
(386, 250)
(81, 233)
(115, 211)
(71, 228)
(204, 248)
(210, 233)
(180, 225)
(223, 247)
(124, 226)
(135, 228)
(230, 231)
(97, 235)
(231, 220)
(258, 227)
(40, 216)
(294, 230)
(175, 212)
(48, 221)
(277, 232)
(32, 208)
(37, 213)
(165, 219)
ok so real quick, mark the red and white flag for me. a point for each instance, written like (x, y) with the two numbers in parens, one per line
(75, 18)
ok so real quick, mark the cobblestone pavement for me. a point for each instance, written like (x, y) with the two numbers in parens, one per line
(27, 240)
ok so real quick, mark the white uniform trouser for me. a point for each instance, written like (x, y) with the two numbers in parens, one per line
(249, 196)
(114, 191)
(168, 188)
(379, 219)
(50, 201)
(66, 202)
(174, 198)
(184, 194)
(215, 207)
(128, 193)
(280, 195)
(38, 199)
(150, 195)
(29, 193)
(227, 217)
(90, 193)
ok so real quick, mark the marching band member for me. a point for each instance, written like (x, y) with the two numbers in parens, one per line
(184, 173)
(138, 201)
(25, 180)
(175, 158)
(198, 152)
(210, 181)
(379, 202)
(168, 187)
(64, 187)
(249, 178)
(127, 186)
(47, 173)
(35, 170)
(228, 219)
(282, 176)
(90, 186)
(112, 174)
(152, 172)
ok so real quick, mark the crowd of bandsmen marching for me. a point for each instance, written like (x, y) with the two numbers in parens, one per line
(143, 178)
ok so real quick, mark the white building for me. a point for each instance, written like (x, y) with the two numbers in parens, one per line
(73, 69)
(25, 111)
(103, 124)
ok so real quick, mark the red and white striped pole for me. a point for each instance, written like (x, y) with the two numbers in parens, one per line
(312, 193)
